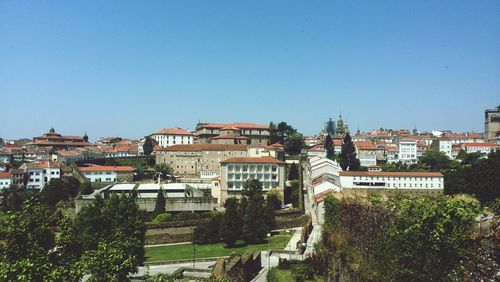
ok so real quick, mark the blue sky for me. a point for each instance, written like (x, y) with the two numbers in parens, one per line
(127, 68)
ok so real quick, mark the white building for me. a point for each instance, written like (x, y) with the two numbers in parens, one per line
(430, 181)
(40, 173)
(173, 136)
(443, 145)
(105, 173)
(407, 151)
(485, 147)
(5, 180)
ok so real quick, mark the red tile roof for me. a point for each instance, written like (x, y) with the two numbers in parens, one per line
(365, 145)
(205, 147)
(240, 125)
(174, 131)
(4, 175)
(227, 136)
(250, 160)
(107, 168)
(41, 164)
(391, 174)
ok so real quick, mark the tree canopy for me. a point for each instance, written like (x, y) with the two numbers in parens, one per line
(348, 158)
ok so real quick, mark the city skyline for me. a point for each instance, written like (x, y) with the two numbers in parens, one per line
(128, 69)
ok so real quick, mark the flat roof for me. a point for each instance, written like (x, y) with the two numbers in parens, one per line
(122, 187)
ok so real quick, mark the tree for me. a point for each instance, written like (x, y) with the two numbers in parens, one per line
(278, 133)
(329, 147)
(164, 169)
(348, 159)
(330, 127)
(435, 160)
(273, 199)
(294, 193)
(231, 222)
(294, 144)
(210, 232)
(86, 188)
(148, 146)
(54, 192)
(256, 219)
(294, 172)
(160, 204)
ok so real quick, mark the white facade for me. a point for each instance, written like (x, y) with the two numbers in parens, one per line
(173, 136)
(5, 180)
(444, 146)
(100, 176)
(267, 174)
(367, 158)
(407, 151)
(38, 177)
(392, 180)
(484, 148)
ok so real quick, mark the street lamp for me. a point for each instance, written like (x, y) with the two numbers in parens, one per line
(304, 245)
(268, 252)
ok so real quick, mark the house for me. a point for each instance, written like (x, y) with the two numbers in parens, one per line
(407, 150)
(40, 173)
(236, 171)
(366, 152)
(173, 136)
(5, 180)
(392, 181)
(198, 160)
(484, 148)
(443, 145)
(57, 141)
(220, 133)
(108, 173)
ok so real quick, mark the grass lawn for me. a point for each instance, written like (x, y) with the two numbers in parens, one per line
(285, 275)
(185, 251)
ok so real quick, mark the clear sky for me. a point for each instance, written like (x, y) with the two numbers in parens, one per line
(127, 68)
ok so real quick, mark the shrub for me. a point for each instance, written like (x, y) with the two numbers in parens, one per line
(163, 217)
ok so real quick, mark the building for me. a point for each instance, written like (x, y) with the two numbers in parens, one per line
(5, 180)
(19, 178)
(366, 152)
(173, 136)
(407, 150)
(198, 160)
(256, 134)
(58, 141)
(443, 145)
(236, 171)
(392, 181)
(484, 148)
(492, 123)
(40, 173)
(108, 173)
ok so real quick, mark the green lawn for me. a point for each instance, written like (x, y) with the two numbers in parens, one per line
(285, 275)
(185, 251)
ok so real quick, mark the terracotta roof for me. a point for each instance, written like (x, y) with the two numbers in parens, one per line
(174, 131)
(474, 135)
(205, 147)
(365, 145)
(52, 143)
(250, 160)
(485, 144)
(240, 125)
(230, 127)
(321, 196)
(391, 174)
(107, 168)
(42, 164)
(276, 145)
(227, 136)
(4, 175)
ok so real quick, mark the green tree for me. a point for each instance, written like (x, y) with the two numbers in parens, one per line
(160, 204)
(85, 188)
(274, 199)
(330, 127)
(164, 169)
(210, 232)
(231, 222)
(294, 172)
(348, 159)
(294, 144)
(435, 160)
(257, 218)
(148, 146)
(279, 132)
(294, 193)
(329, 147)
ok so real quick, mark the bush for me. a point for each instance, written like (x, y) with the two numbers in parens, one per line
(272, 275)
(163, 217)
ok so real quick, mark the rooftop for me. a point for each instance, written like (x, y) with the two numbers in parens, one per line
(250, 160)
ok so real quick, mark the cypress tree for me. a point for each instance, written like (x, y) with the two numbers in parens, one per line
(329, 147)
(348, 159)
(231, 222)
(160, 204)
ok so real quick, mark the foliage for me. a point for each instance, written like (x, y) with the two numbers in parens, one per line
(294, 144)
(329, 147)
(294, 172)
(164, 169)
(332, 211)
(231, 222)
(480, 179)
(495, 206)
(273, 199)
(60, 189)
(330, 127)
(279, 132)
(159, 204)
(208, 233)
(435, 160)
(85, 188)
(257, 221)
(293, 193)
(161, 277)
(348, 159)
(149, 145)
(12, 199)
(162, 217)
